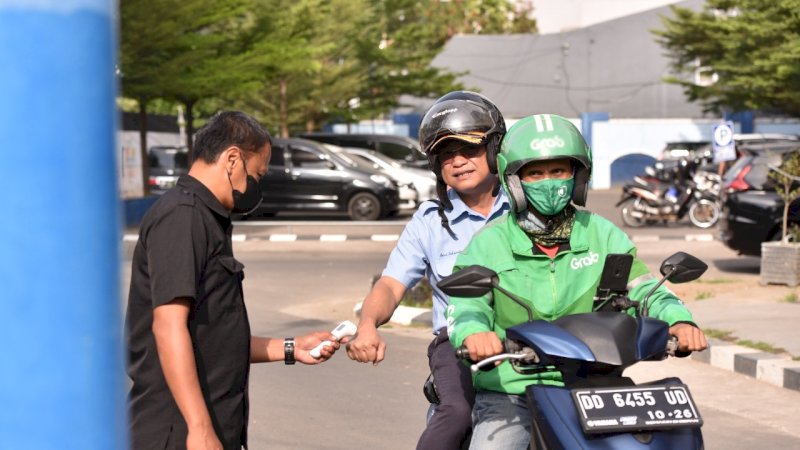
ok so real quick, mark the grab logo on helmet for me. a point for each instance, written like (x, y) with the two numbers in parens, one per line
(547, 143)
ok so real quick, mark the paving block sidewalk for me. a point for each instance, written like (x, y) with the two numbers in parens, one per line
(756, 314)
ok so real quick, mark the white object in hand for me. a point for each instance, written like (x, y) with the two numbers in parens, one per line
(344, 329)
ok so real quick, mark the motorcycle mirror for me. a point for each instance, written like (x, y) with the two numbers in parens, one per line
(682, 267)
(474, 281)
(471, 281)
(678, 268)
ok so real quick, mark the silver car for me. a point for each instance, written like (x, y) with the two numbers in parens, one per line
(409, 198)
(424, 181)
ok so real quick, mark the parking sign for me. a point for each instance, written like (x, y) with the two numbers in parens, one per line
(722, 142)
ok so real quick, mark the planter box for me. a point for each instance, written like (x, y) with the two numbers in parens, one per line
(780, 263)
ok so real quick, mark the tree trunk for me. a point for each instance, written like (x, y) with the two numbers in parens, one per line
(189, 127)
(786, 202)
(311, 124)
(143, 146)
(283, 110)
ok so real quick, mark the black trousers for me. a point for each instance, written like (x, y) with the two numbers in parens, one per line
(452, 420)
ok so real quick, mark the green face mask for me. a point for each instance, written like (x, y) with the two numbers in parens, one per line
(549, 196)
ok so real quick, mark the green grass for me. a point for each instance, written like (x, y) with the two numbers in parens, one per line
(758, 345)
(420, 296)
(728, 336)
(723, 335)
(716, 281)
(790, 298)
(703, 295)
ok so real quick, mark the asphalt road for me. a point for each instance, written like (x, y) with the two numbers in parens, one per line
(600, 201)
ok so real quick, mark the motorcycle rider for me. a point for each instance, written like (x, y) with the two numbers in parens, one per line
(460, 134)
(551, 254)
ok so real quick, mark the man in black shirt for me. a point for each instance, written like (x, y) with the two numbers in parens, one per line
(188, 334)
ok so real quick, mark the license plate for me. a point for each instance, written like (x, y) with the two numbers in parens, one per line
(626, 409)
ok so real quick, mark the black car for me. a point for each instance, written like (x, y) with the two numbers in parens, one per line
(752, 211)
(305, 176)
(401, 148)
(166, 164)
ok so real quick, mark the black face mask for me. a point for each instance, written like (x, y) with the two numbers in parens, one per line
(246, 202)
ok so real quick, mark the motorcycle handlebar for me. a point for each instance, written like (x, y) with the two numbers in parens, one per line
(462, 353)
(528, 354)
(672, 348)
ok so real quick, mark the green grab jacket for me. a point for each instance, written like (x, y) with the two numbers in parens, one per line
(553, 287)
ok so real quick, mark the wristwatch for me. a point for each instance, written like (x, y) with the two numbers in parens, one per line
(288, 351)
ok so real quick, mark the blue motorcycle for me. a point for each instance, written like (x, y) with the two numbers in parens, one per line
(598, 407)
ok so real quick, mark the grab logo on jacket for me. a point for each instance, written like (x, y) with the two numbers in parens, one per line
(580, 263)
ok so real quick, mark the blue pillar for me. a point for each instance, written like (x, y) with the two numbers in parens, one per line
(61, 366)
(745, 119)
(412, 120)
(586, 124)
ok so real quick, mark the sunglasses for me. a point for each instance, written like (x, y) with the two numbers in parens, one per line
(466, 151)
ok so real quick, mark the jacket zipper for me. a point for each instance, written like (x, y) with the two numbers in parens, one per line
(553, 284)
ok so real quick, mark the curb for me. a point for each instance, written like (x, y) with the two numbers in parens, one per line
(405, 315)
(774, 369)
(297, 238)
(701, 237)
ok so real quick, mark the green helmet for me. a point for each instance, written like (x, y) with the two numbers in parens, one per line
(537, 138)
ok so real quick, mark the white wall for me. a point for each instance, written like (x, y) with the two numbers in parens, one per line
(619, 137)
(555, 16)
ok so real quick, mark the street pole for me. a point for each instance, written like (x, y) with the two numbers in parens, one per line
(61, 366)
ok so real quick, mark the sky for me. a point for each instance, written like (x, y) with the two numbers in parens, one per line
(554, 16)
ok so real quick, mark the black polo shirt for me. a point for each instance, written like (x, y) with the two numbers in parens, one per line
(185, 250)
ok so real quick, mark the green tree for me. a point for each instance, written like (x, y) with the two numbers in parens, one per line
(405, 35)
(296, 64)
(752, 47)
(787, 178)
(185, 51)
(141, 56)
(309, 65)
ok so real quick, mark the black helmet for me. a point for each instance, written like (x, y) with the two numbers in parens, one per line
(466, 116)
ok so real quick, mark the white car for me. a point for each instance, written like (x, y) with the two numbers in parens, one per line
(409, 198)
(424, 181)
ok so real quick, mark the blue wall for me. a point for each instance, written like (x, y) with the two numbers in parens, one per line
(628, 166)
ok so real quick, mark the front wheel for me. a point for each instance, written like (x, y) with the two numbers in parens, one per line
(364, 206)
(631, 216)
(704, 213)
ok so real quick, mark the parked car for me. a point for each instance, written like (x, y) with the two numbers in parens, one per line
(409, 198)
(423, 180)
(303, 175)
(752, 211)
(401, 148)
(167, 163)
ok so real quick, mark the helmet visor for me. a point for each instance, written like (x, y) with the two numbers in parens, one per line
(456, 120)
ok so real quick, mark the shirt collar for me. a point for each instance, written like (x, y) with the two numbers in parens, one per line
(461, 210)
(202, 192)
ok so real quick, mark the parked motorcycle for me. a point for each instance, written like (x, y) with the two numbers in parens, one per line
(598, 407)
(669, 194)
